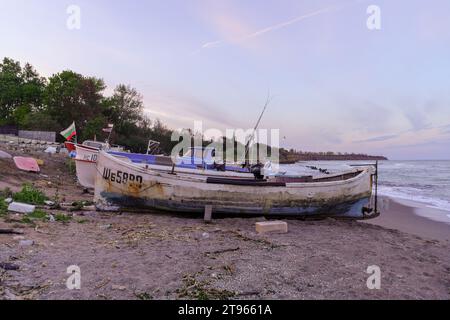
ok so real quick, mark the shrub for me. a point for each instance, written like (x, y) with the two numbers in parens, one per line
(30, 194)
(38, 214)
(60, 217)
(3, 207)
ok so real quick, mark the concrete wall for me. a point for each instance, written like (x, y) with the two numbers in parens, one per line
(10, 130)
(38, 135)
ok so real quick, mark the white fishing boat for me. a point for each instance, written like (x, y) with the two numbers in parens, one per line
(85, 163)
(122, 184)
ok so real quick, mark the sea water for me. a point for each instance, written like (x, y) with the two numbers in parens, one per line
(427, 182)
(424, 182)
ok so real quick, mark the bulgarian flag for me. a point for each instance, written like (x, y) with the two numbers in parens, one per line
(70, 132)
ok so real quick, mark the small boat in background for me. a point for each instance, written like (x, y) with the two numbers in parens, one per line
(85, 163)
(123, 184)
(5, 155)
(86, 158)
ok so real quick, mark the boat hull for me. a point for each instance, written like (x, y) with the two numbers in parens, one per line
(85, 162)
(27, 164)
(119, 184)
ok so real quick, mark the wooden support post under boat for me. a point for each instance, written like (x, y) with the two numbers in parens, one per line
(208, 214)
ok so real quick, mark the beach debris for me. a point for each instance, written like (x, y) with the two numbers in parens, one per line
(102, 283)
(200, 289)
(5, 155)
(205, 235)
(151, 231)
(117, 287)
(39, 162)
(18, 238)
(105, 226)
(26, 164)
(26, 243)
(8, 266)
(77, 206)
(230, 269)
(51, 150)
(9, 200)
(21, 207)
(208, 214)
(248, 293)
(107, 208)
(49, 203)
(143, 296)
(51, 218)
(222, 251)
(10, 231)
(26, 292)
(272, 227)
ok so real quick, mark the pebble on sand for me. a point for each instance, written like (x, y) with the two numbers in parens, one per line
(26, 243)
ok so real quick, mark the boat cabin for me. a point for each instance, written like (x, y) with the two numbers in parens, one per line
(199, 156)
(95, 144)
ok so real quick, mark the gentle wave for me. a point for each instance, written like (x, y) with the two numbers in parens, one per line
(425, 182)
(413, 194)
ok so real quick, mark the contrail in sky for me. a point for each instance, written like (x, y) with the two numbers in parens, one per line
(220, 43)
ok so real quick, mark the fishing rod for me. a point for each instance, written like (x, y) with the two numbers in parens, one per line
(247, 146)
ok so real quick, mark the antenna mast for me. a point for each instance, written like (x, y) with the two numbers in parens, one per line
(247, 146)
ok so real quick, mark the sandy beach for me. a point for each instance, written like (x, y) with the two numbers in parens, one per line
(169, 256)
(411, 217)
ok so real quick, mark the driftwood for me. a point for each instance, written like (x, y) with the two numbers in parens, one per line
(8, 266)
(10, 231)
(223, 251)
(249, 293)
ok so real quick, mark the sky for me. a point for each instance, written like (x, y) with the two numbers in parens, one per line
(336, 85)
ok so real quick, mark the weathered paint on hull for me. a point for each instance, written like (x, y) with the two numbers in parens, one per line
(191, 193)
(351, 209)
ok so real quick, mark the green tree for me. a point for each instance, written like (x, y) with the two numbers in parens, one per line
(93, 128)
(69, 96)
(125, 110)
(125, 106)
(40, 120)
(21, 91)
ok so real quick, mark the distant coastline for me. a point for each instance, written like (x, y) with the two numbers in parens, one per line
(292, 156)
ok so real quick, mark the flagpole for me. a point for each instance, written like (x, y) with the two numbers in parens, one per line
(76, 135)
(109, 136)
